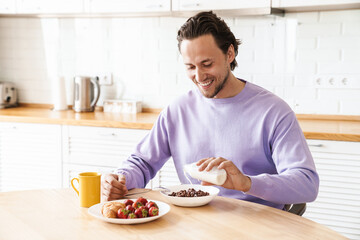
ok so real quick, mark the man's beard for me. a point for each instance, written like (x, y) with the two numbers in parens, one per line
(219, 88)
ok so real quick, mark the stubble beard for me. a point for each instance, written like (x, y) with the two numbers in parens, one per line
(219, 87)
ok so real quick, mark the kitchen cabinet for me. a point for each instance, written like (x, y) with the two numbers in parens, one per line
(103, 150)
(129, 6)
(7, 6)
(86, 7)
(30, 156)
(167, 176)
(227, 7)
(200, 5)
(96, 149)
(338, 202)
(167, 7)
(49, 7)
(314, 5)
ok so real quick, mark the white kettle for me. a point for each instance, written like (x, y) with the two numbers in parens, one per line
(86, 93)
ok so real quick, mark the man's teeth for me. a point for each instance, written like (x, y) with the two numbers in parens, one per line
(205, 84)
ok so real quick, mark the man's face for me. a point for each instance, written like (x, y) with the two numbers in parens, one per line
(206, 65)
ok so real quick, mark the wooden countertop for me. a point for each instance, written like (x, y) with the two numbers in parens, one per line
(56, 214)
(69, 117)
(330, 127)
(324, 127)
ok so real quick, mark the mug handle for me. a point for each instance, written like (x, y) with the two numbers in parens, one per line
(72, 184)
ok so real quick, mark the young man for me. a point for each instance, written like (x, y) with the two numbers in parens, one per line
(226, 122)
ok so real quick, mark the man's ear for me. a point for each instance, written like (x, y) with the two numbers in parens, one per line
(230, 54)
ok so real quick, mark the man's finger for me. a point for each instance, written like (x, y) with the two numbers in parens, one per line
(205, 163)
(113, 181)
(214, 162)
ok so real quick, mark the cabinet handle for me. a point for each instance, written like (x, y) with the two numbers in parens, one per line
(316, 145)
(190, 5)
(154, 6)
(107, 134)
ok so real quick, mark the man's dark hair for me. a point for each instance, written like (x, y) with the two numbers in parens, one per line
(205, 23)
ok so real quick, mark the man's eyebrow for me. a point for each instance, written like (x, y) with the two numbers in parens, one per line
(206, 60)
(203, 61)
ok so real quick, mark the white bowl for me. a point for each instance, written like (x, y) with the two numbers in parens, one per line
(190, 201)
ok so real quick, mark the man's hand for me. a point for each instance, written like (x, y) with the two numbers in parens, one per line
(113, 187)
(235, 178)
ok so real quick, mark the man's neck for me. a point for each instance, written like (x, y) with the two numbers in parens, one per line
(233, 87)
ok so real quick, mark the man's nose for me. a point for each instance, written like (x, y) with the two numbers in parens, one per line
(199, 75)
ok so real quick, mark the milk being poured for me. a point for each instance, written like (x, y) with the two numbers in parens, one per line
(187, 177)
(215, 176)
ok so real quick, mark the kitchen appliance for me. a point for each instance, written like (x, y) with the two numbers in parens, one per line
(8, 95)
(86, 93)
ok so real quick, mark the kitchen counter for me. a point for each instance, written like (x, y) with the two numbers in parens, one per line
(69, 117)
(324, 127)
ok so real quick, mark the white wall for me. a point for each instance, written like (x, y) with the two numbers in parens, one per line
(312, 60)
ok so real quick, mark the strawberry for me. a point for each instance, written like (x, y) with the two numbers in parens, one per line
(153, 211)
(129, 202)
(123, 213)
(130, 208)
(141, 212)
(150, 205)
(137, 204)
(132, 215)
(142, 200)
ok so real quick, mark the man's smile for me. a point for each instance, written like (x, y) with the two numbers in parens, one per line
(205, 84)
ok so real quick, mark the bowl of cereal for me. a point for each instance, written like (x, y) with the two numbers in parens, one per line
(189, 195)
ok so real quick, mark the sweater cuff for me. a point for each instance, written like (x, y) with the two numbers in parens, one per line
(129, 183)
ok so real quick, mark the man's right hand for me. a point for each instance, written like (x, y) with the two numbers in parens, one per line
(113, 187)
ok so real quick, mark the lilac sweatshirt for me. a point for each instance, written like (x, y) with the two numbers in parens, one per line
(255, 129)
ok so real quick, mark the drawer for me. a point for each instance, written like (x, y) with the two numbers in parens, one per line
(334, 146)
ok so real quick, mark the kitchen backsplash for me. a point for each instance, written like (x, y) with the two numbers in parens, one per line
(311, 60)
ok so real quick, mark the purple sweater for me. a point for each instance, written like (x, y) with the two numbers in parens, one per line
(256, 130)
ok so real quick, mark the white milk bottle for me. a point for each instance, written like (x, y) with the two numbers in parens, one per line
(215, 176)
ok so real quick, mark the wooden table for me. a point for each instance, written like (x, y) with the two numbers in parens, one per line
(55, 214)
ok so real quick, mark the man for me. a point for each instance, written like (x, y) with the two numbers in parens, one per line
(226, 122)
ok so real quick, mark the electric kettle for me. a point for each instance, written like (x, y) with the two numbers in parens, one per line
(86, 93)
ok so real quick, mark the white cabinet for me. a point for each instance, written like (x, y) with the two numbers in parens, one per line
(338, 202)
(96, 148)
(86, 7)
(49, 7)
(224, 7)
(129, 6)
(201, 5)
(103, 150)
(314, 5)
(167, 176)
(7, 6)
(30, 156)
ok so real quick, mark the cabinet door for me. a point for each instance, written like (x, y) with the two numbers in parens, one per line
(129, 6)
(200, 5)
(98, 146)
(30, 156)
(338, 202)
(315, 5)
(49, 7)
(7, 6)
(97, 149)
(167, 176)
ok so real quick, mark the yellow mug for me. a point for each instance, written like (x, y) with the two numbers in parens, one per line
(89, 188)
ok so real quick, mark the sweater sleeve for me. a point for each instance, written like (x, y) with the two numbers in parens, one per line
(149, 156)
(297, 180)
